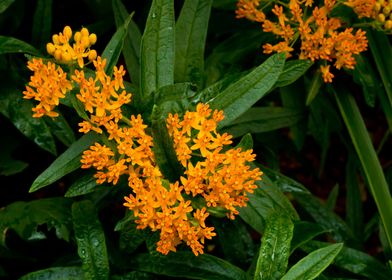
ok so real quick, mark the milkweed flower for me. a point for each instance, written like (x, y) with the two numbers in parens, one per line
(101, 95)
(221, 176)
(64, 52)
(321, 34)
(47, 85)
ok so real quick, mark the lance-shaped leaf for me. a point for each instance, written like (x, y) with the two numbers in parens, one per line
(13, 45)
(355, 261)
(238, 97)
(25, 217)
(157, 49)
(83, 185)
(65, 163)
(313, 264)
(263, 119)
(113, 49)
(325, 218)
(131, 48)
(292, 71)
(266, 200)
(61, 129)
(275, 248)
(18, 111)
(55, 273)
(187, 265)
(191, 33)
(304, 232)
(91, 240)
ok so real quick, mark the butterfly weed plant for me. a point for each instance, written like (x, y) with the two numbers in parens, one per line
(170, 141)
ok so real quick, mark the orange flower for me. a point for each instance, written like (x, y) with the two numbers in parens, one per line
(48, 85)
(101, 96)
(318, 32)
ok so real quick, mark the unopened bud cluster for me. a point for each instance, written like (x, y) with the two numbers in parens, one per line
(63, 52)
(382, 9)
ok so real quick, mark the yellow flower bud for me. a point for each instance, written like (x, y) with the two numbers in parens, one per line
(381, 2)
(388, 24)
(386, 11)
(377, 7)
(92, 55)
(85, 42)
(57, 55)
(84, 32)
(92, 38)
(67, 32)
(77, 36)
(381, 18)
(50, 48)
(55, 39)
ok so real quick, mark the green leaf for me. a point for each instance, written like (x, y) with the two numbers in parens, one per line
(164, 152)
(55, 273)
(265, 200)
(314, 87)
(113, 49)
(65, 163)
(355, 261)
(365, 75)
(263, 119)
(131, 237)
(275, 248)
(42, 22)
(18, 111)
(246, 143)
(13, 45)
(4, 4)
(304, 232)
(313, 264)
(157, 49)
(354, 212)
(235, 240)
(332, 198)
(91, 240)
(191, 33)
(24, 217)
(61, 129)
(187, 265)
(86, 184)
(237, 98)
(382, 53)
(284, 183)
(368, 158)
(292, 71)
(324, 217)
(131, 48)
(134, 275)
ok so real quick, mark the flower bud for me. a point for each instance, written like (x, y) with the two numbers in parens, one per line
(92, 55)
(92, 38)
(50, 48)
(67, 32)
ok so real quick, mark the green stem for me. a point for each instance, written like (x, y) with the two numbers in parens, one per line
(371, 165)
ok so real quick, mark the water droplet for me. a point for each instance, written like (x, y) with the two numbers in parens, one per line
(153, 15)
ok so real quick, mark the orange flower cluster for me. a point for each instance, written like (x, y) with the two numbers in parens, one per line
(221, 179)
(364, 8)
(318, 31)
(101, 96)
(48, 85)
(80, 49)
(221, 176)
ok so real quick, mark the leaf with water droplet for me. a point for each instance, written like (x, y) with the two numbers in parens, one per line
(91, 240)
